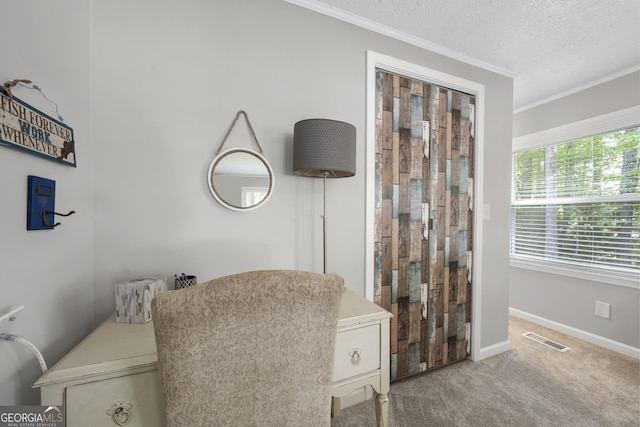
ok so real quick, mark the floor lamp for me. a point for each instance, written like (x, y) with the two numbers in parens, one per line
(324, 148)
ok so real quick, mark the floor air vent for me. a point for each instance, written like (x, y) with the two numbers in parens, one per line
(545, 341)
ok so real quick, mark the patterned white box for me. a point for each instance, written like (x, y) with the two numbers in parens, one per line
(133, 298)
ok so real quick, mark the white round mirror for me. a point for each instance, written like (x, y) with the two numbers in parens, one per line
(240, 179)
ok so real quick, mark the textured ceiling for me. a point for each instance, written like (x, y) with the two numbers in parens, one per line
(551, 46)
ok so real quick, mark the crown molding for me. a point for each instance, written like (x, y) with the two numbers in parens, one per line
(578, 89)
(370, 25)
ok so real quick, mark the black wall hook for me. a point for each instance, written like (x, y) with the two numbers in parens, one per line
(43, 215)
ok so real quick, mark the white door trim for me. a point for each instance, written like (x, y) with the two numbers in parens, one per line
(398, 66)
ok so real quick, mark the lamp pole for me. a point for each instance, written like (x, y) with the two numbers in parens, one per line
(324, 220)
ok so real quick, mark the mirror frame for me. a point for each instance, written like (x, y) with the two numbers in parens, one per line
(220, 198)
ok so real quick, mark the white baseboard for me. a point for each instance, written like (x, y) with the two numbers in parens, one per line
(492, 350)
(578, 333)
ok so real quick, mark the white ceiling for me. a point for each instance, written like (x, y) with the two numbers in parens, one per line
(550, 47)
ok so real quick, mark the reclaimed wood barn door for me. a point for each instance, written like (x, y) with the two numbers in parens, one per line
(424, 159)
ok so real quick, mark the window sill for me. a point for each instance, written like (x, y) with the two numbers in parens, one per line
(627, 280)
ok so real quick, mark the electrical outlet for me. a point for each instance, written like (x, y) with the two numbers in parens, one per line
(8, 320)
(603, 310)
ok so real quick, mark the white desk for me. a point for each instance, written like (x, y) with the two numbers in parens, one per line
(114, 369)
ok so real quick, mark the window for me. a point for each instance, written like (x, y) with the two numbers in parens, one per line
(252, 196)
(575, 205)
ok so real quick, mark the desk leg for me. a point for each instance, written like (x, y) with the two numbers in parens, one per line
(335, 407)
(382, 410)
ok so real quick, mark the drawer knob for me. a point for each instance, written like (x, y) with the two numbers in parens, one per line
(355, 356)
(119, 411)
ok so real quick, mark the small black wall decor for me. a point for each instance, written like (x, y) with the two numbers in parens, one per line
(28, 129)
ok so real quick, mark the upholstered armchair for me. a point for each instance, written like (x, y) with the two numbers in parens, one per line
(251, 349)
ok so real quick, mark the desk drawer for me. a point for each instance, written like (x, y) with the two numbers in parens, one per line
(88, 404)
(357, 352)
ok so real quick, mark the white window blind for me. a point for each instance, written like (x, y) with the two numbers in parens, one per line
(577, 203)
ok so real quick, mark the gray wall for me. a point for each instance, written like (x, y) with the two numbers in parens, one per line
(50, 272)
(614, 95)
(564, 300)
(151, 87)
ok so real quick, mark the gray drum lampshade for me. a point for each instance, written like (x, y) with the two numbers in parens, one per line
(323, 145)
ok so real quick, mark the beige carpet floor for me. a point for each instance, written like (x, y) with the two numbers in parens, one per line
(531, 385)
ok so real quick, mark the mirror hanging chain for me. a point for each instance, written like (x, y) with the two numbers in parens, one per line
(246, 117)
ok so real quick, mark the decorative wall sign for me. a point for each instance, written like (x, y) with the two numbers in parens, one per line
(26, 128)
